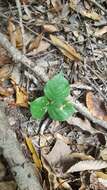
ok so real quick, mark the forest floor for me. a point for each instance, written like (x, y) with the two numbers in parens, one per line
(68, 36)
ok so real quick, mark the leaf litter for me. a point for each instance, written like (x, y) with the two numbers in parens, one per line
(73, 34)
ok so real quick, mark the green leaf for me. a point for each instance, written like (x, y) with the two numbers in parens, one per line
(57, 89)
(39, 107)
(61, 112)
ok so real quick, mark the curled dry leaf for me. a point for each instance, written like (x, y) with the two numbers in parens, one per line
(101, 32)
(50, 28)
(88, 165)
(6, 91)
(56, 5)
(65, 48)
(5, 72)
(15, 34)
(4, 58)
(35, 43)
(90, 14)
(83, 124)
(96, 106)
(43, 46)
(21, 97)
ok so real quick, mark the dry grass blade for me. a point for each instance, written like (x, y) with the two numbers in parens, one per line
(66, 49)
(88, 165)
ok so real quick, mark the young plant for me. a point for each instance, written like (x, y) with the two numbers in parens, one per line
(54, 100)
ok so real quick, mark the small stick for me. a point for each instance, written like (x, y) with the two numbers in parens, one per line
(99, 6)
(18, 57)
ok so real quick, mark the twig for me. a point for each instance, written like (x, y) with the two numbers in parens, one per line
(18, 57)
(21, 24)
(99, 6)
(83, 110)
(21, 168)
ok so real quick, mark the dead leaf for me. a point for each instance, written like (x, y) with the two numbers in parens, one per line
(5, 71)
(73, 4)
(34, 154)
(6, 91)
(50, 28)
(21, 97)
(83, 124)
(24, 1)
(35, 43)
(43, 46)
(101, 175)
(57, 5)
(96, 106)
(88, 165)
(101, 32)
(90, 14)
(10, 185)
(4, 58)
(55, 182)
(103, 154)
(65, 48)
(81, 156)
(60, 149)
(15, 34)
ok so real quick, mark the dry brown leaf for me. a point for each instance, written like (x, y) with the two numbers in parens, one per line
(57, 5)
(61, 149)
(35, 43)
(43, 46)
(21, 97)
(65, 48)
(10, 185)
(24, 1)
(4, 58)
(100, 32)
(54, 181)
(96, 106)
(81, 156)
(103, 154)
(15, 34)
(50, 28)
(6, 91)
(12, 30)
(88, 165)
(73, 4)
(101, 175)
(5, 72)
(90, 14)
(35, 156)
(83, 124)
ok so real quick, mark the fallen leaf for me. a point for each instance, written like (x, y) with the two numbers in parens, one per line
(21, 97)
(5, 71)
(101, 32)
(6, 91)
(82, 124)
(61, 149)
(50, 28)
(4, 58)
(57, 5)
(43, 46)
(15, 34)
(90, 14)
(103, 154)
(34, 154)
(81, 156)
(73, 4)
(88, 165)
(96, 106)
(101, 175)
(35, 43)
(10, 185)
(65, 48)
(24, 1)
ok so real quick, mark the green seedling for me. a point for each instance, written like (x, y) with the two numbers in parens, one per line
(54, 100)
